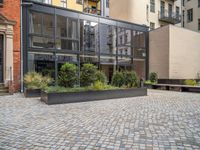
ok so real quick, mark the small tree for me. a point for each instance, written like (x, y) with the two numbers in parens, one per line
(100, 76)
(153, 77)
(118, 79)
(67, 75)
(88, 72)
(131, 79)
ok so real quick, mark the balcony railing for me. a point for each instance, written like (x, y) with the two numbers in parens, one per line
(170, 17)
(92, 11)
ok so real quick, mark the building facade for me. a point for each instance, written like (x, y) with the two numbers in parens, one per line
(191, 14)
(54, 35)
(152, 13)
(176, 54)
(10, 44)
(98, 7)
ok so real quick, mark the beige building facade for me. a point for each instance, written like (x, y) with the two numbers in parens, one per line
(175, 55)
(191, 14)
(152, 13)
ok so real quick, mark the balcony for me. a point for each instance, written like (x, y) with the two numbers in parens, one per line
(92, 11)
(169, 17)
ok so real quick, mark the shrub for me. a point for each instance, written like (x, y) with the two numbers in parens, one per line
(153, 77)
(88, 72)
(190, 82)
(100, 76)
(130, 79)
(67, 75)
(34, 80)
(147, 82)
(98, 85)
(118, 79)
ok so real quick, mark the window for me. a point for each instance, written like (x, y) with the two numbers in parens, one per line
(199, 24)
(152, 5)
(63, 3)
(1, 2)
(183, 1)
(183, 18)
(190, 15)
(162, 8)
(107, 4)
(170, 10)
(198, 3)
(79, 2)
(152, 25)
(177, 12)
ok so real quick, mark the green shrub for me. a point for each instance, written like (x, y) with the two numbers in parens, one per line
(148, 82)
(98, 85)
(34, 80)
(88, 72)
(118, 79)
(198, 83)
(131, 79)
(67, 75)
(153, 77)
(100, 76)
(190, 82)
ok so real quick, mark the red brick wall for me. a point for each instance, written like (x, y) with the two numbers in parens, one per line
(11, 10)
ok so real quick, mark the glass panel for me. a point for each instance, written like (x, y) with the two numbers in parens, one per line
(107, 39)
(41, 42)
(35, 21)
(48, 24)
(139, 44)
(61, 30)
(72, 28)
(139, 67)
(42, 62)
(89, 36)
(67, 44)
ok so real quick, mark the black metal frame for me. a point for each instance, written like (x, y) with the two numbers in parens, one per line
(47, 9)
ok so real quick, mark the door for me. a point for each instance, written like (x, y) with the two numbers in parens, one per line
(1, 58)
(170, 10)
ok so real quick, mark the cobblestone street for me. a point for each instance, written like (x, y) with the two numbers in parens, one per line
(162, 120)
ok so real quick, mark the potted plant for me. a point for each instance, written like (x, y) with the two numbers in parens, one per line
(34, 82)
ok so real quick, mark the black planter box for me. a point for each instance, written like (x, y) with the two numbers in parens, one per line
(71, 97)
(149, 86)
(32, 92)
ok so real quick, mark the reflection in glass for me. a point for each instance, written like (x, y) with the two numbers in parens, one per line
(43, 63)
(48, 24)
(35, 23)
(67, 44)
(72, 28)
(61, 30)
(41, 42)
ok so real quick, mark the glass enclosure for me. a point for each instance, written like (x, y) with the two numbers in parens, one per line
(54, 38)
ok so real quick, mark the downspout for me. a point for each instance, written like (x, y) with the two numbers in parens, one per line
(21, 51)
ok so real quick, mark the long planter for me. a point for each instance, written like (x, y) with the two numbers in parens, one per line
(32, 92)
(60, 98)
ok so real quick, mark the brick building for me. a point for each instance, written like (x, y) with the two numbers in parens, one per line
(10, 44)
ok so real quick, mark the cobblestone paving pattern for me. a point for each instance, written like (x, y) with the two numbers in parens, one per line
(162, 120)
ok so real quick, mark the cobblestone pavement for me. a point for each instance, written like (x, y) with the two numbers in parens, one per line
(162, 120)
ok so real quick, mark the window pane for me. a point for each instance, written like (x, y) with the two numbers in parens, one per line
(67, 44)
(41, 42)
(72, 28)
(61, 30)
(35, 23)
(48, 24)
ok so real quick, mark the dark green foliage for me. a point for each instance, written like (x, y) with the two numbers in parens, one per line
(153, 77)
(100, 76)
(88, 72)
(118, 79)
(67, 75)
(131, 79)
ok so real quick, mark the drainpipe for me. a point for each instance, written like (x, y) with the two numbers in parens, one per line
(21, 51)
